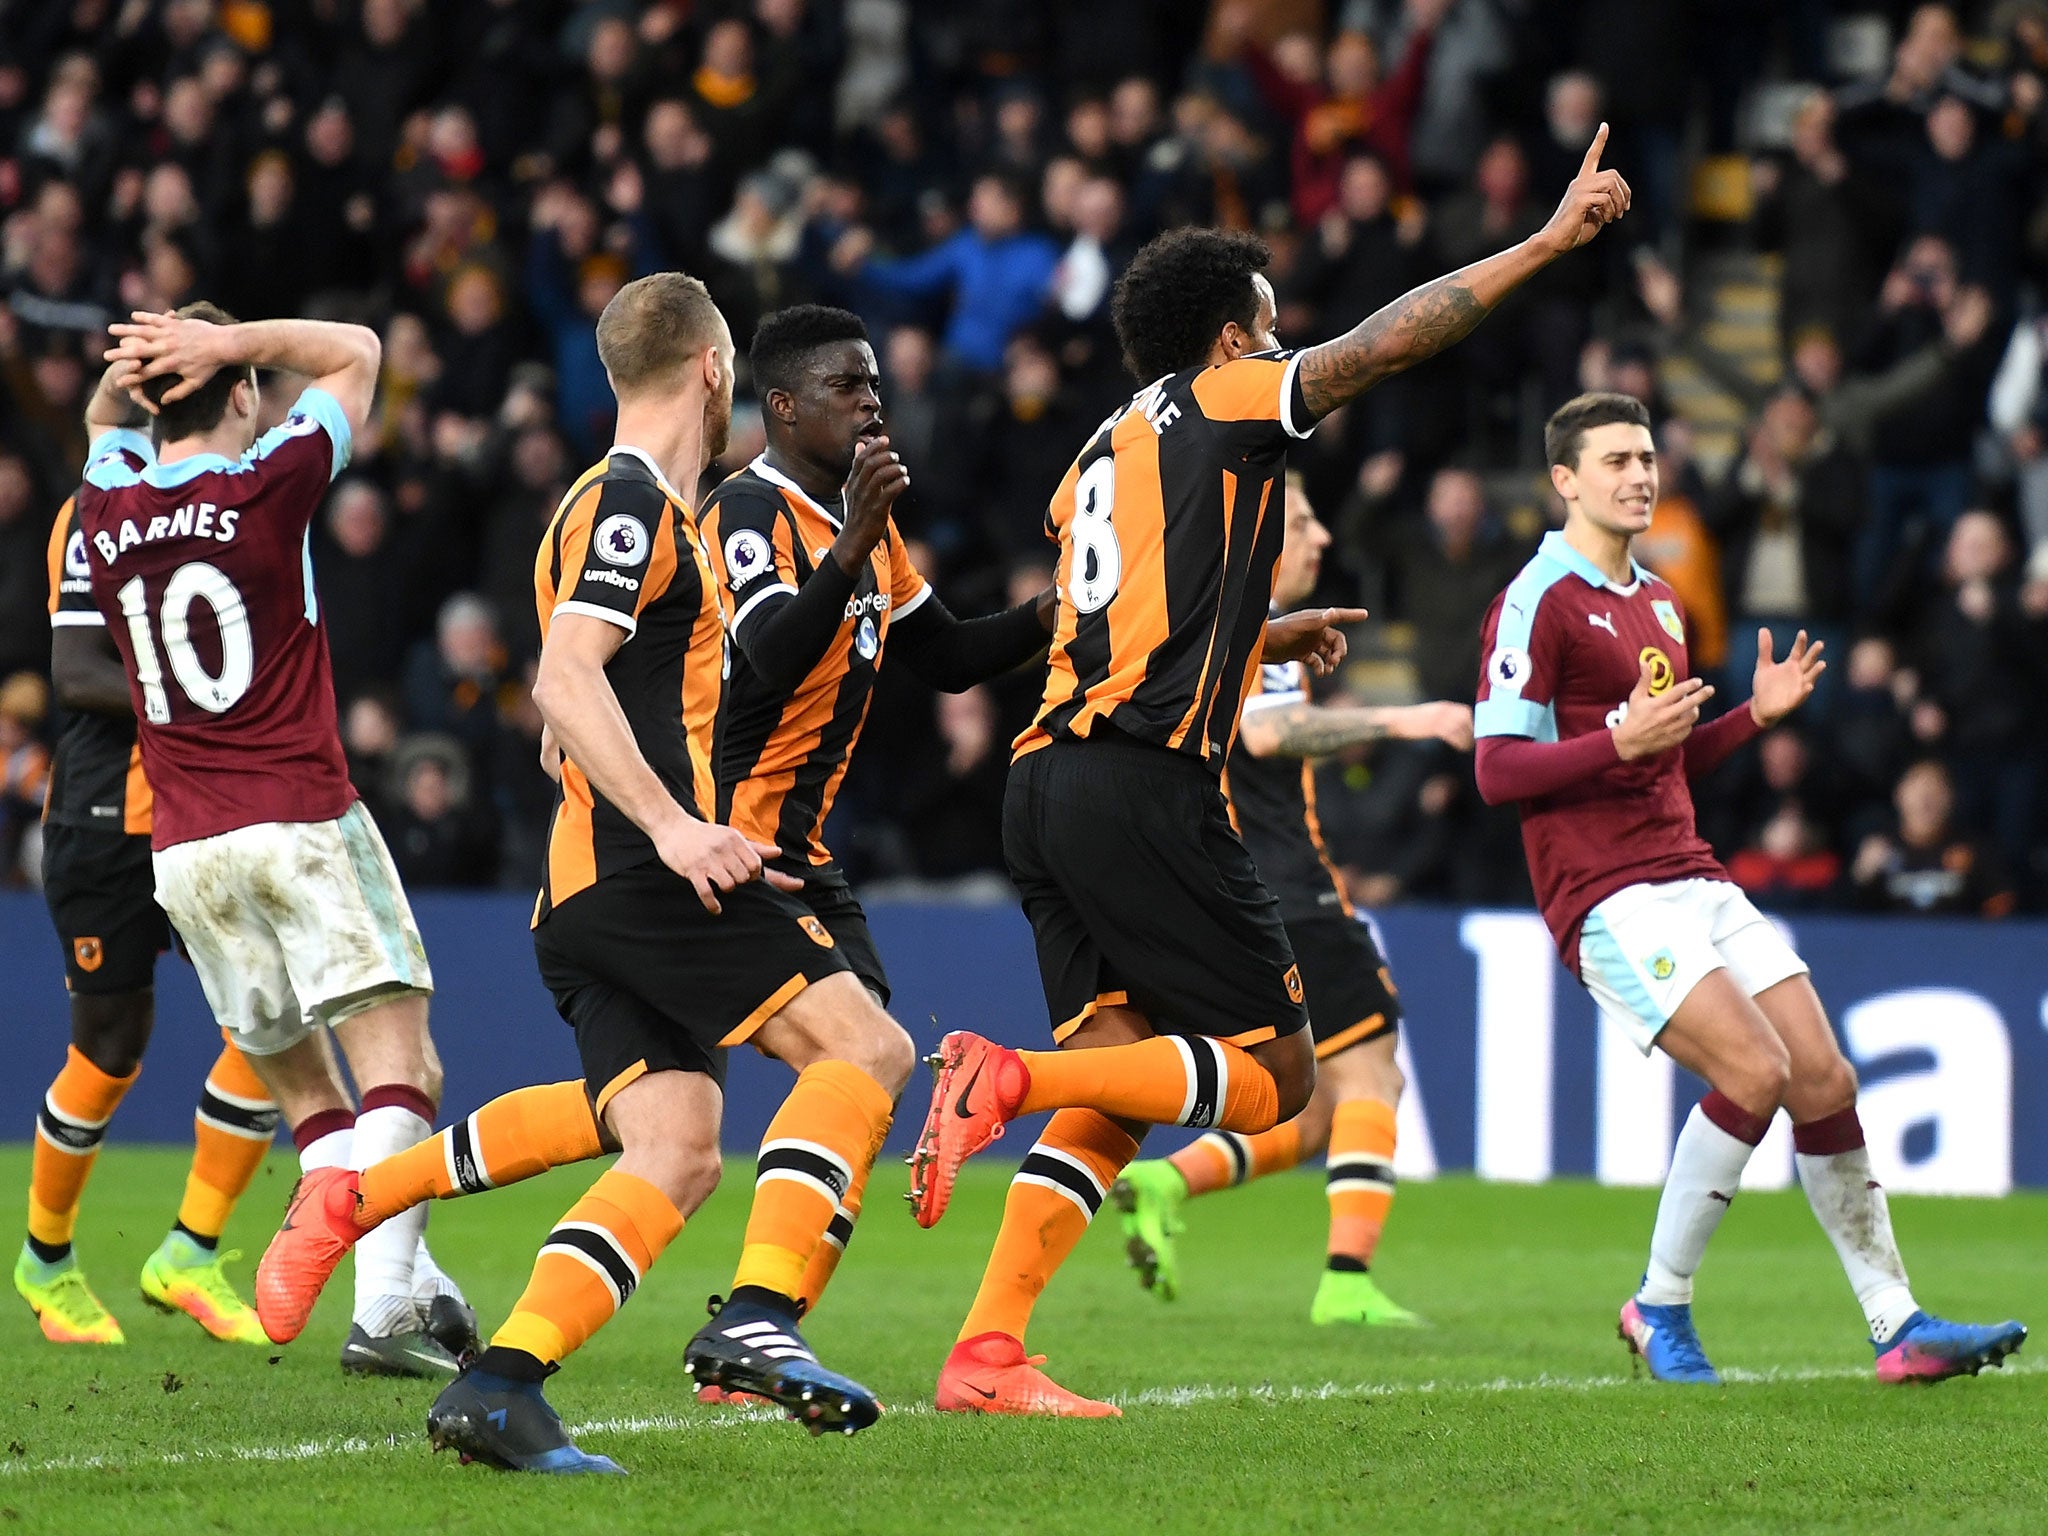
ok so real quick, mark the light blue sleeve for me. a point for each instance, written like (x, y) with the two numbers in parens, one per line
(314, 409)
(104, 466)
(1510, 669)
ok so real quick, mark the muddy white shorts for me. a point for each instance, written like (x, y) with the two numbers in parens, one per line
(1643, 949)
(292, 925)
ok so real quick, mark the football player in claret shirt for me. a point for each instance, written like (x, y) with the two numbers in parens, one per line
(102, 897)
(266, 862)
(1172, 990)
(1353, 1008)
(1589, 718)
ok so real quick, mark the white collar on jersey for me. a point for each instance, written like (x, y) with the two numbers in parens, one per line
(660, 479)
(770, 473)
(1555, 547)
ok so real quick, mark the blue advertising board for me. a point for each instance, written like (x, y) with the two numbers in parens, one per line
(1947, 1021)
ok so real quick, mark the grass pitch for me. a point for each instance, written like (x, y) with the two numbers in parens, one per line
(1514, 1412)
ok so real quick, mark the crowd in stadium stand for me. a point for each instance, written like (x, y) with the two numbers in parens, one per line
(476, 178)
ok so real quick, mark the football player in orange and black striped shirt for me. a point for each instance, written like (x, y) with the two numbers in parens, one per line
(664, 939)
(101, 892)
(1158, 945)
(1354, 1010)
(816, 584)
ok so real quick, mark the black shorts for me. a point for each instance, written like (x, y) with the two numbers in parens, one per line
(101, 889)
(1351, 996)
(1140, 892)
(832, 899)
(652, 982)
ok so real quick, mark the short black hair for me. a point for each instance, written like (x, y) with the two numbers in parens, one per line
(1565, 433)
(1178, 293)
(785, 339)
(202, 410)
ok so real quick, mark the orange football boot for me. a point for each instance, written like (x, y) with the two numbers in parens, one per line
(718, 1395)
(319, 1228)
(990, 1373)
(980, 1085)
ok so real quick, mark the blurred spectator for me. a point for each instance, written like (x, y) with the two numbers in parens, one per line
(1447, 573)
(436, 836)
(370, 728)
(952, 810)
(1788, 864)
(24, 579)
(1979, 655)
(1785, 518)
(994, 274)
(570, 278)
(1920, 477)
(358, 572)
(1928, 866)
(24, 775)
(454, 685)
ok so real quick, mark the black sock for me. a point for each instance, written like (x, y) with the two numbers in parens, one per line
(761, 1296)
(49, 1253)
(1344, 1264)
(210, 1244)
(513, 1365)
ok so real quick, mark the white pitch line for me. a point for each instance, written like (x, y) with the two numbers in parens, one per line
(1192, 1396)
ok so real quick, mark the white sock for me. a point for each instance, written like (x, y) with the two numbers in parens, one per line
(384, 1258)
(430, 1280)
(1852, 1210)
(1706, 1170)
(334, 1150)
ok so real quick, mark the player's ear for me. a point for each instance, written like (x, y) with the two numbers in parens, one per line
(1562, 480)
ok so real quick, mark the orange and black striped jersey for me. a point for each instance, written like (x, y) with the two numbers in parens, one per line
(1273, 806)
(96, 777)
(782, 751)
(622, 548)
(1169, 525)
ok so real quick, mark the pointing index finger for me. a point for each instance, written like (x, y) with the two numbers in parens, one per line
(1592, 161)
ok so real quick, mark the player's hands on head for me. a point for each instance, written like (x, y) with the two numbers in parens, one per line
(878, 478)
(1657, 722)
(160, 344)
(714, 858)
(1780, 687)
(1312, 636)
(1595, 199)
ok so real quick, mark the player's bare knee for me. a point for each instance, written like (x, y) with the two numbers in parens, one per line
(1293, 1069)
(1826, 1090)
(1761, 1080)
(112, 1031)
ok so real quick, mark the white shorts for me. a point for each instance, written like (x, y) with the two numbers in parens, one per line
(292, 925)
(1643, 949)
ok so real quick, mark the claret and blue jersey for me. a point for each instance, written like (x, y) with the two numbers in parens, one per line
(202, 571)
(1563, 649)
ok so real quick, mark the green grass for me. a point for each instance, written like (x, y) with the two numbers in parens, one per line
(1513, 1413)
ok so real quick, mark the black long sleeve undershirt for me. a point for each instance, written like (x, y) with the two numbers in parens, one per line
(953, 654)
(788, 636)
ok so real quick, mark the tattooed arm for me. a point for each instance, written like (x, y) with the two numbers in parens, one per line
(1437, 315)
(1315, 730)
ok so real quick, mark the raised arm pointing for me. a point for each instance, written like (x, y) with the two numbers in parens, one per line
(1421, 323)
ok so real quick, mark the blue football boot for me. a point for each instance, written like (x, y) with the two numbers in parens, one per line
(1930, 1348)
(751, 1347)
(1664, 1338)
(506, 1424)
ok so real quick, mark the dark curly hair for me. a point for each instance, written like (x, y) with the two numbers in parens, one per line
(786, 338)
(1173, 300)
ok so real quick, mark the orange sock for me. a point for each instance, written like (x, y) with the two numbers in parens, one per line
(592, 1261)
(231, 1132)
(1054, 1196)
(1222, 1158)
(838, 1233)
(69, 1130)
(1361, 1179)
(514, 1137)
(1170, 1080)
(823, 1138)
